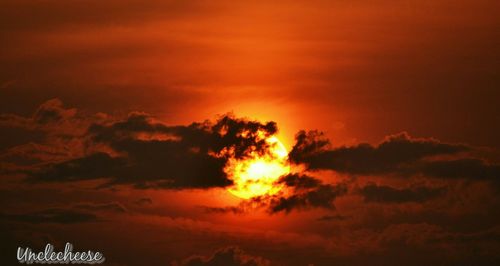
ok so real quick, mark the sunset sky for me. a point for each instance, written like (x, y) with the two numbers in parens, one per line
(123, 122)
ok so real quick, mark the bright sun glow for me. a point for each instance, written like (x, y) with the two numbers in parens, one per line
(256, 176)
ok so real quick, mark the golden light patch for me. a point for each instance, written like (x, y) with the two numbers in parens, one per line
(257, 175)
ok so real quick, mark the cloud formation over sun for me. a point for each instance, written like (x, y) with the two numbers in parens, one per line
(257, 173)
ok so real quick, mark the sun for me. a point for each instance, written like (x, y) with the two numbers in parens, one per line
(257, 175)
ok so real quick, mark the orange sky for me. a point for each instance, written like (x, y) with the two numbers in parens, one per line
(356, 69)
(359, 70)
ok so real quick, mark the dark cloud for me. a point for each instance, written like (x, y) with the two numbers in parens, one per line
(52, 133)
(306, 193)
(397, 151)
(229, 209)
(55, 215)
(491, 235)
(97, 165)
(110, 207)
(397, 154)
(303, 192)
(48, 113)
(229, 256)
(143, 201)
(337, 217)
(32, 153)
(431, 244)
(299, 181)
(150, 154)
(13, 121)
(386, 194)
(321, 196)
(462, 168)
(52, 111)
(240, 136)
